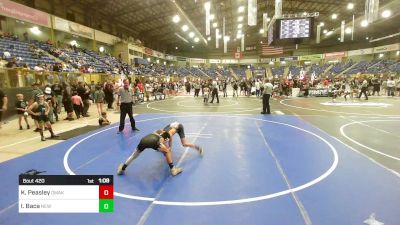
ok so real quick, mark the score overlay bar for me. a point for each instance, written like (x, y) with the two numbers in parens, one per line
(66, 194)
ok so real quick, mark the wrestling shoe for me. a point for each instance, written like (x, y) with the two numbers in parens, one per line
(120, 170)
(176, 170)
(201, 152)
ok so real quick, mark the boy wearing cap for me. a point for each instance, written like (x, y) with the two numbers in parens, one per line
(40, 110)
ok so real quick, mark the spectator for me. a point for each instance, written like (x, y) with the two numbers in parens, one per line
(3, 104)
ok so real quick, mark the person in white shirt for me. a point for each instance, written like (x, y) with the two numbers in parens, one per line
(257, 85)
(268, 88)
(390, 86)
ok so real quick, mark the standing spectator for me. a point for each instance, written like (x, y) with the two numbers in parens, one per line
(35, 93)
(235, 89)
(21, 106)
(125, 101)
(66, 100)
(390, 86)
(77, 104)
(257, 85)
(108, 92)
(3, 104)
(57, 90)
(214, 91)
(196, 86)
(224, 86)
(364, 88)
(99, 100)
(84, 94)
(268, 88)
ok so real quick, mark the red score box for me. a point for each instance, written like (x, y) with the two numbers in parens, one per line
(106, 192)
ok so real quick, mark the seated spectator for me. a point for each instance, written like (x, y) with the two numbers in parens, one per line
(103, 119)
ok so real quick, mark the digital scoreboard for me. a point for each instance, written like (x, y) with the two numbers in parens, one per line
(66, 194)
(295, 28)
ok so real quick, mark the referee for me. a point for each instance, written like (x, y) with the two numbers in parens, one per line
(267, 92)
(125, 101)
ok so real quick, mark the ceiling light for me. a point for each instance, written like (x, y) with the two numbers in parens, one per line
(209, 39)
(239, 31)
(334, 16)
(207, 5)
(215, 25)
(386, 13)
(325, 31)
(176, 19)
(212, 17)
(367, 38)
(350, 6)
(304, 13)
(185, 28)
(101, 49)
(381, 55)
(240, 18)
(261, 31)
(348, 30)
(271, 63)
(227, 38)
(196, 39)
(35, 30)
(176, 47)
(191, 34)
(283, 62)
(238, 35)
(364, 23)
(241, 9)
(192, 46)
(329, 33)
(398, 53)
(321, 24)
(240, 26)
(260, 42)
(268, 19)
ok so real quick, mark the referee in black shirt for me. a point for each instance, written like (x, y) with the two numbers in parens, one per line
(125, 101)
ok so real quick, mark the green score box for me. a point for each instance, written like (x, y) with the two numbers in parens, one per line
(106, 205)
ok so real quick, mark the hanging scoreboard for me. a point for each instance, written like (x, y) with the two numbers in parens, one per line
(66, 194)
(295, 28)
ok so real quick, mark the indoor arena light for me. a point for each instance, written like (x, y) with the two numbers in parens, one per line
(185, 28)
(176, 19)
(350, 6)
(364, 23)
(386, 13)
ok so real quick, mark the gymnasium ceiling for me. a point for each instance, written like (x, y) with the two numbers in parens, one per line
(151, 20)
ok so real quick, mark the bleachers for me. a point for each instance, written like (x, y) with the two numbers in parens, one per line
(340, 67)
(240, 72)
(318, 69)
(22, 50)
(278, 71)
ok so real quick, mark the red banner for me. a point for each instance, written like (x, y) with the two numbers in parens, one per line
(21, 12)
(148, 51)
(334, 55)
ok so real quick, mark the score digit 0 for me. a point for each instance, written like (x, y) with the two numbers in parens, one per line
(106, 192)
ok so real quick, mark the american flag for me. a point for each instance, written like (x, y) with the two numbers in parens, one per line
(270, 50)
